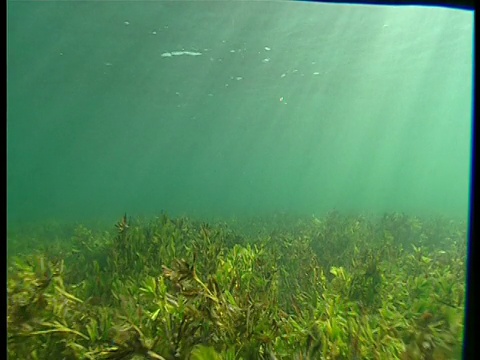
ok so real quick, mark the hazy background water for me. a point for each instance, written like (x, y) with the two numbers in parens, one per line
(261, 107)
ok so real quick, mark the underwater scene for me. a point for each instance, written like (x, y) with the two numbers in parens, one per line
(237, 180)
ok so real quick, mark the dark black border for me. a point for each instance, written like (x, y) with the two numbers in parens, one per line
(454, 4)
(471, 309)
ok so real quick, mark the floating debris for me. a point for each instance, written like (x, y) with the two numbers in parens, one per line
(179, 53)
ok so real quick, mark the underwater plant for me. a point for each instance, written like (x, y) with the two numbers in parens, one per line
(338, 287)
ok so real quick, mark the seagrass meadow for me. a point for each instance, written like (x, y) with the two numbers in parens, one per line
(339, 286)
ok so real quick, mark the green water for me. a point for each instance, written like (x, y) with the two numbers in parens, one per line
(236, 109)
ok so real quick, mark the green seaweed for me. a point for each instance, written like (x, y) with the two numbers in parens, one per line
(338, 287)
